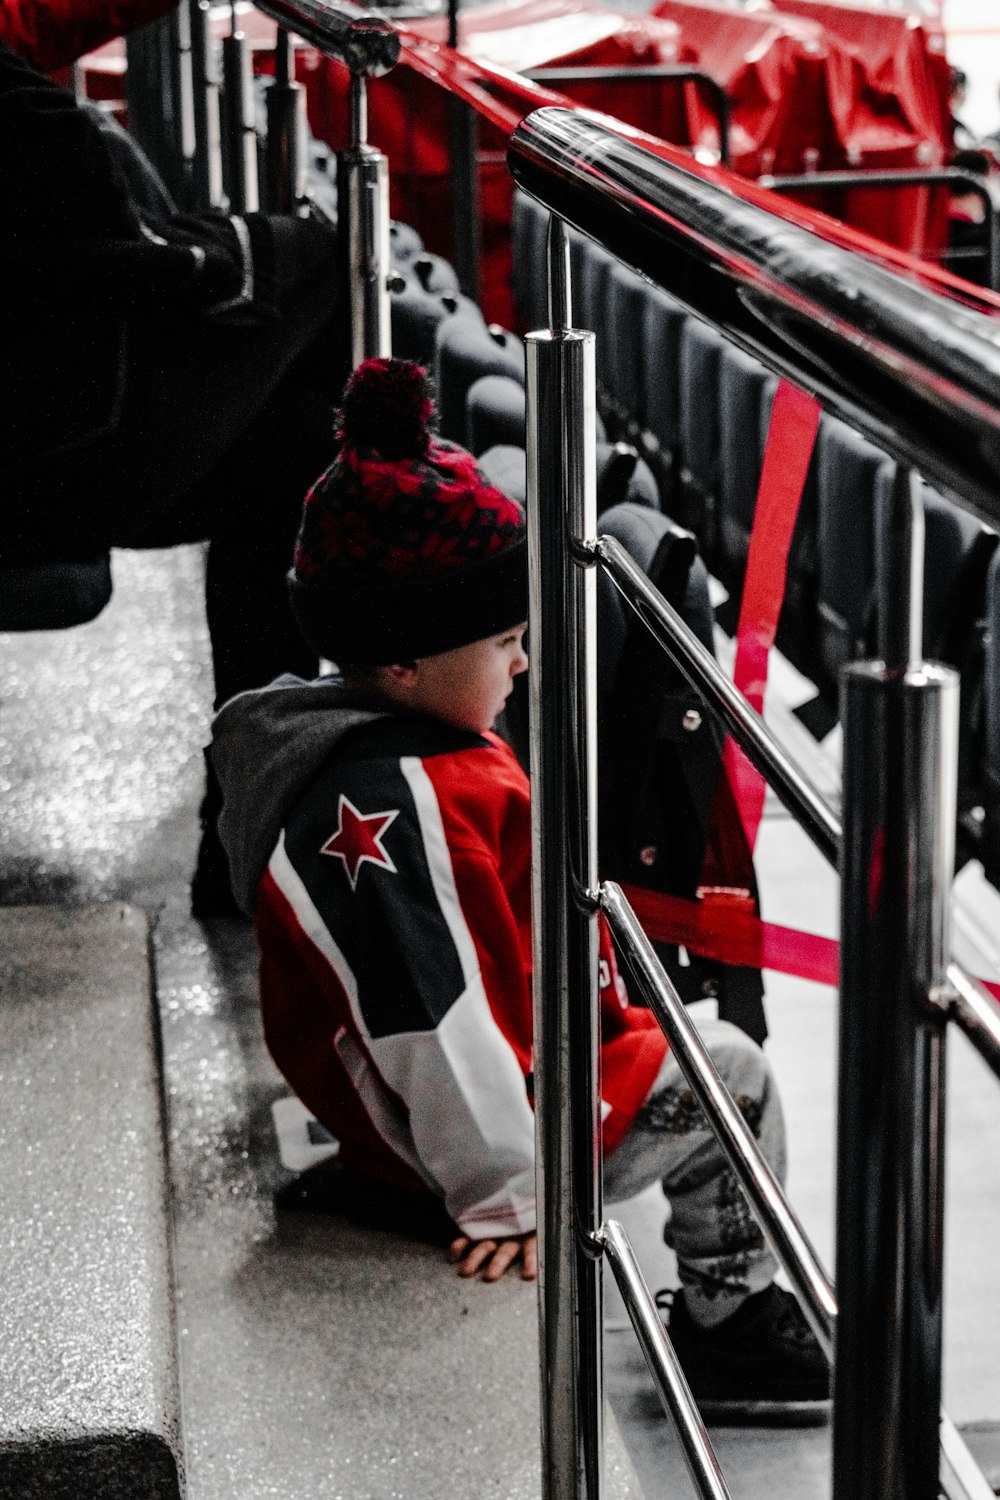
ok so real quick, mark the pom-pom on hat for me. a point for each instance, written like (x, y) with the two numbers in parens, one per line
(405, 549)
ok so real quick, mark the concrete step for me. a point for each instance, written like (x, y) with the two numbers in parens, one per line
(321, 1358)
(88, 1362)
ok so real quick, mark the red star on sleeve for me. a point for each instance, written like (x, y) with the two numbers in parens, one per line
(359, 838)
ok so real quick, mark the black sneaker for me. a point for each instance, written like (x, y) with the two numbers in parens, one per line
(762, 1364)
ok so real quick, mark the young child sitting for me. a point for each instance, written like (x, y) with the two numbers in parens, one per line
(379, 831)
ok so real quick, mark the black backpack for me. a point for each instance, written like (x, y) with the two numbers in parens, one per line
(659, 759)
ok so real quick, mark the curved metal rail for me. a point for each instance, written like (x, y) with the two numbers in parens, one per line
(917, 374)
(368, 44)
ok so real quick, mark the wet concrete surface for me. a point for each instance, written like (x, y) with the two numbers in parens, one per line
(318, 1358)
(286, 1390)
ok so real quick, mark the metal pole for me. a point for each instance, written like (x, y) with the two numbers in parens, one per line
(240, 123)
(900, 612)
(363, 215)
(285, 159)
(900, 775)
(208, 135)
(462, 135)
(782, 1229)
(562, 507)
(185, 97)
(664, 1366)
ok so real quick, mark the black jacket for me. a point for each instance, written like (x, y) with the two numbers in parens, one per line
(85, 279)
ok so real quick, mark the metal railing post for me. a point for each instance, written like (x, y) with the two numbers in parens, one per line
(240, 126)
(900, 777)
(363, 214)
(562, 509)
(285, 157)
(463, 134)
(207, 130)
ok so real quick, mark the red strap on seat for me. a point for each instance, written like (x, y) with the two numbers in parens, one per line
(731, 933)
(791, 436)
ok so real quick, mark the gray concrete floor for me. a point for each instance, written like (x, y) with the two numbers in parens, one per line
(285, 1392)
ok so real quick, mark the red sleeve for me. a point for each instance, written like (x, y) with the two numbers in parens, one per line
(52, 33)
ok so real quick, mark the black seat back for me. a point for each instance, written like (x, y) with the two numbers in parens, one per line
(659, 755)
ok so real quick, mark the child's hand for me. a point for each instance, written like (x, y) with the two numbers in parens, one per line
(494, 1257)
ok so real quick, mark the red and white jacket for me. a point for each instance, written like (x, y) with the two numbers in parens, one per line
(394, 926)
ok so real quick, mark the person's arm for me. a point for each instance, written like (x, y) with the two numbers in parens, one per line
(425, 942)
(52, 33)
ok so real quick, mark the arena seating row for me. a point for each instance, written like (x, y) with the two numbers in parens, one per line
(689, 412)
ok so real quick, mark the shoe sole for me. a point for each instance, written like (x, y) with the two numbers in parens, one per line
(764, 1413)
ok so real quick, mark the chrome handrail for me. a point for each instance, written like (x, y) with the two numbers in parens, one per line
(974, 1009)
(735, 263)
(915, 373)
(367, 43)
(784, 1233)
(887, 178)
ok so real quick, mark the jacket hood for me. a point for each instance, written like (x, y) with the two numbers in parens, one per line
(267, 745)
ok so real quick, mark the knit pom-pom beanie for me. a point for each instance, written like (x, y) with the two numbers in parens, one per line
(405, 550)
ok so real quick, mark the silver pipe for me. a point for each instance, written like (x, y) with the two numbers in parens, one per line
(973, 1007)
(185, 85)
(240, 126)
(287, 134)
(975, 1011)
(359, 110)
(900, 777)
(664, 1366)
(366, 43)
(208, 132)
(961, 1476)
(363, 218)
(781, 1228)
(901, 602)
(562, 505)
(701, 669)
(560, 280)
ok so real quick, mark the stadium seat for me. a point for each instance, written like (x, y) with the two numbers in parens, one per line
(415, 315)
(625, 301)
(698, 427)
(529, 231)
(659, 755)
(848, 470)
(405, 243)
(494, 414)
(744, 386)
(466, 351)
(660, 333)
(433, 272)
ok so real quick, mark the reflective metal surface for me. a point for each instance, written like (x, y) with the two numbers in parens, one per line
(964, 182)
(562, 505)
(704, 673)
(781, 1228)
(239, 126)
(366, 43)
(675, 1394)
(715, 94)
(916, 373)
(901, 598)
(287, 134)
(975, 1011)
(900, 775)
(207, 128)
(363, 214)
(560, 279)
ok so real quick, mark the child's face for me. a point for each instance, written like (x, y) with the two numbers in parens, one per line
(468, 687)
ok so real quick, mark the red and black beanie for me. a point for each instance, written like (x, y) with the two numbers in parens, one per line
(405, 550)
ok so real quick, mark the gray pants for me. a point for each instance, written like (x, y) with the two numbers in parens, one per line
(721, 1254)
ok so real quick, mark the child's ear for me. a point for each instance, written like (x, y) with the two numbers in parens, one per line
(402, 673)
